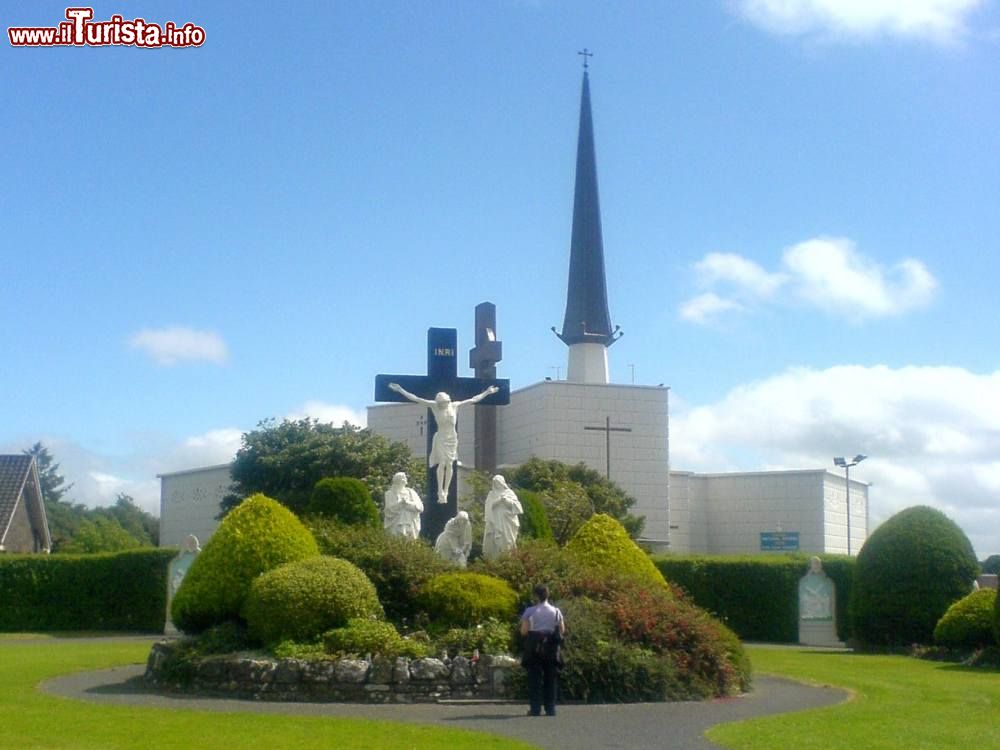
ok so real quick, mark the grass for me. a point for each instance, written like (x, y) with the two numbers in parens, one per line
(896, 702)
(33, 720)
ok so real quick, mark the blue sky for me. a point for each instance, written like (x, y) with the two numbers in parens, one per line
(799, 202)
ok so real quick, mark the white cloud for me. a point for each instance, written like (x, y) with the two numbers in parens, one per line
(168, 346)
(830, 274)
(336, 414)
(941, 21)
(827, 273)
(742, 273)
(932, 435)
(706, 307)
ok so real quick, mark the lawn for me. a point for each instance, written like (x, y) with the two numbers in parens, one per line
(33, 720)
(897, 702)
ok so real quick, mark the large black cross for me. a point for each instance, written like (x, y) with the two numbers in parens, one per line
(442, 376)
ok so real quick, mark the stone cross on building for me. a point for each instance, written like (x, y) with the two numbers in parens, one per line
(442, 377)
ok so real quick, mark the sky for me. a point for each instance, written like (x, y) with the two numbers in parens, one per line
(799, 202)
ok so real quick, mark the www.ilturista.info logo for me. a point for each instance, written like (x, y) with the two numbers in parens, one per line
(80, 30)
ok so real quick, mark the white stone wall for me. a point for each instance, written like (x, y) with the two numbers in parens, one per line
(548, 420)
(835, 514)
(189, 503)
(726, 513)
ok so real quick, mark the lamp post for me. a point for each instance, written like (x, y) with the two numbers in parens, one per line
(841, 461)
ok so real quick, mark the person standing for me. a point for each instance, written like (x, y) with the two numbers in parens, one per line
(542, 626)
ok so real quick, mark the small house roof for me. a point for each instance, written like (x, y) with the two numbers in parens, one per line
(17, 474)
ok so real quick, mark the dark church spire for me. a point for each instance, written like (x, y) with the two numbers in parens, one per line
(587, 319)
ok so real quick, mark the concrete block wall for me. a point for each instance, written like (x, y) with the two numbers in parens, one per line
(835, 514)
(189, 503)
(548, 420)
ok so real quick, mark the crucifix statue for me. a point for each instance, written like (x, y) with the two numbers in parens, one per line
(444, 445)
(443, 392)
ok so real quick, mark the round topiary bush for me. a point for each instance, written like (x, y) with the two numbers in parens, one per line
(968, 623)
(463, 599)
(344, 499)
(302, 600)
(258, 535)
(911, 569)
(603, 545)
(397, 566)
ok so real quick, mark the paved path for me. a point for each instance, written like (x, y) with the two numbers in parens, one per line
(636, 726)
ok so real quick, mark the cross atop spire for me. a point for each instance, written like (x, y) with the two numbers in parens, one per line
(586, 53)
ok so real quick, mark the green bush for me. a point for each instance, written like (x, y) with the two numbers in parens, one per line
(256, 537)
(344, 499)
(911, 569)
(489, 637)
(732, 587)
(603, 544)
(996, 619)
(968, 623)
(533, 562)
(301, 600)
(397, 566)
(465, 598)
(655, 619)
(363, 637)
(599, 668)
(112, 591)
(534, 521)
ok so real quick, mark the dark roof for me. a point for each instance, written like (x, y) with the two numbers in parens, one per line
(14, 472)
(587, 317)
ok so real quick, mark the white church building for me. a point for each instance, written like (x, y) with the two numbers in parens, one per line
(622, 431)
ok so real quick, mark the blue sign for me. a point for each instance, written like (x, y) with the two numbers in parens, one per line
(779, 541)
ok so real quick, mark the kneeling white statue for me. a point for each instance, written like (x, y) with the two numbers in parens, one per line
(455, 542)
(502, 522)
(402, 508)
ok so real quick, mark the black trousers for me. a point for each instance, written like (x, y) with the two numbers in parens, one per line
(543, 680)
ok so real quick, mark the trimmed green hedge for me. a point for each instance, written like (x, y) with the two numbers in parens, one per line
(757, 596)
(912, 568)
(114, 591)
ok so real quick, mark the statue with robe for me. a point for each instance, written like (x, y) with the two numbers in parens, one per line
(502, 522)
(402, 508)
(455, 542)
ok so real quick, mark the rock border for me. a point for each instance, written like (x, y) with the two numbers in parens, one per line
(378, 680)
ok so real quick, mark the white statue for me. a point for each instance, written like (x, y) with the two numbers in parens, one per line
(455, 542)
(816, 593)
(502, 522)
(402, 508)
(444, 447)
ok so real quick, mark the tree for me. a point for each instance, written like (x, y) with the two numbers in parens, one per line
(53, 483)
(101, 534)
(545, 476)
(142, 526)
(991, 564)
(64, 518)
(285, 461)
(74, 527)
